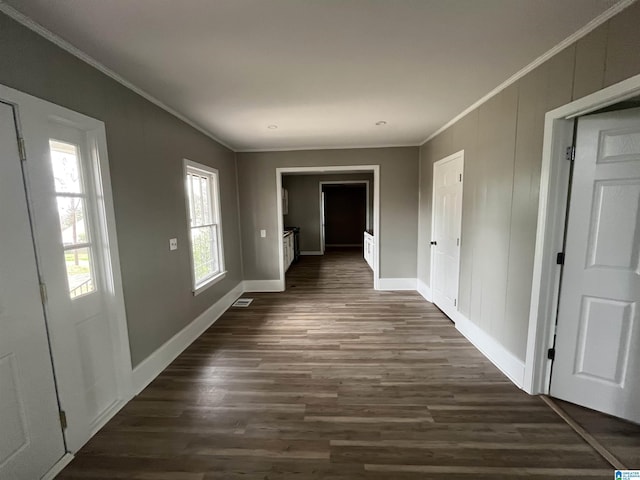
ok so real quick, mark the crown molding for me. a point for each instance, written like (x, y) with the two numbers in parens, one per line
(307, 148)
(76, 52)
(592, 25)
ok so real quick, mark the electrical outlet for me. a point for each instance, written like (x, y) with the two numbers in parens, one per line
(263, 233)
(173, 244)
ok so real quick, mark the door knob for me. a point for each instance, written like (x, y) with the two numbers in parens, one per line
(434, 243)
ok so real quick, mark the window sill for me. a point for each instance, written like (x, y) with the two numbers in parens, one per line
(211, 281)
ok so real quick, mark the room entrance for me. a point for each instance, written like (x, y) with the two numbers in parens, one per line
(328, 207)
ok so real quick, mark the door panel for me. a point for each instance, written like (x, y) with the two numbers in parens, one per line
(62, 174)
(598, 338)
(31, 440)
(447, 224)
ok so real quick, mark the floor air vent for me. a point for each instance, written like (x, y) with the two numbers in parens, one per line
(242, 302)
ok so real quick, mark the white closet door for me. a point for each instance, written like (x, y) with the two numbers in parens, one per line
(31, 440)
(597, 361)
(447, 225)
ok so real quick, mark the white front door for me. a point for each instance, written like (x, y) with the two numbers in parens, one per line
(445, 236)
(64, 183)
(31, 440)
(597, 362)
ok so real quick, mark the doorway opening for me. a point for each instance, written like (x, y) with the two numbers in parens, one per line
(328, 208)
(552, 215)
(345, 212)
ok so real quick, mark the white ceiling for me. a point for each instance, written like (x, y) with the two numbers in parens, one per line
(323, 71)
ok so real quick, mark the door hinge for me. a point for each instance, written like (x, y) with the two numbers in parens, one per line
(21, 149)
(560, 258)
(460, 177)
(458, 241)
(551, 354)
(570, 153)
(63, 419)
(455, 302)
(43, 293)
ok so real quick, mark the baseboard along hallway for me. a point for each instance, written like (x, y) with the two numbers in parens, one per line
(334, 380)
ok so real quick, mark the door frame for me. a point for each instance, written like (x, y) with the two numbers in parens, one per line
(324, 170)
(432, 253)
(552, 211)
(96, 136)
(322, 212)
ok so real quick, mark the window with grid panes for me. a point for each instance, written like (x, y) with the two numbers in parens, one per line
(205, 232)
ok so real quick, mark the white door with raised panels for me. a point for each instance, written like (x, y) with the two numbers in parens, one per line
(31, 440)
(446, 232)
(597, 362)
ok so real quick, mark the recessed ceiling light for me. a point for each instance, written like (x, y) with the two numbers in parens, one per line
(272, 127)
(380, 123)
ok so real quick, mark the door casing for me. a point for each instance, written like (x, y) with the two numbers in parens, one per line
(323, 170)
(552, 208)
(28, 105)
(322, 212)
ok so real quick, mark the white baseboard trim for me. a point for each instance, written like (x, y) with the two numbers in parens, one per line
(58, 467)
(262, 286)
(314, 252)
(506, 362)
(425, 291)
(397, 284)
(153, 365)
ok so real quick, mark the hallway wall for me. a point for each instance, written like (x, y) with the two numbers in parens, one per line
(398, 204)
(146, 146)
(502, 140)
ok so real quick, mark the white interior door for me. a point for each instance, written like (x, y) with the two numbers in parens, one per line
(446, 228)
(31, 440)
(597, 361)
(62, 168)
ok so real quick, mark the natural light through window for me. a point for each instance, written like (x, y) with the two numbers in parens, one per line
(207, 259)
(72, 213)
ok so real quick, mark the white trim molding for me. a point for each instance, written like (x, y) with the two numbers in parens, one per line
(58, 467)
(397, 284)
(424, 290)
(154, 364)
(368, 225)
(263, 285)
(314, 252)
(502, 358)
(592, 25)
(554, 180)
(330, 169)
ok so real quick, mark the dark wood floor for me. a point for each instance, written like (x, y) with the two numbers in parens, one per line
(620, 438)
(333, 380)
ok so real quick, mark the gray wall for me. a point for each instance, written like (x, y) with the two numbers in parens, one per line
(502, 140)
(146, 146)
(398, 204)
(304, 204)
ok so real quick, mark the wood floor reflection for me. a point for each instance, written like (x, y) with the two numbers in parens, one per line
(334, 380)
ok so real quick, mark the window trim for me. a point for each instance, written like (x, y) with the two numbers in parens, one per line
(216, 209)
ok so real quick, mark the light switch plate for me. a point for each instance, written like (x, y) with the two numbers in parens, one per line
(173, 244)
(263, 233)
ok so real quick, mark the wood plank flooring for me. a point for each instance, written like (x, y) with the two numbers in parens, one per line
(333, 380)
